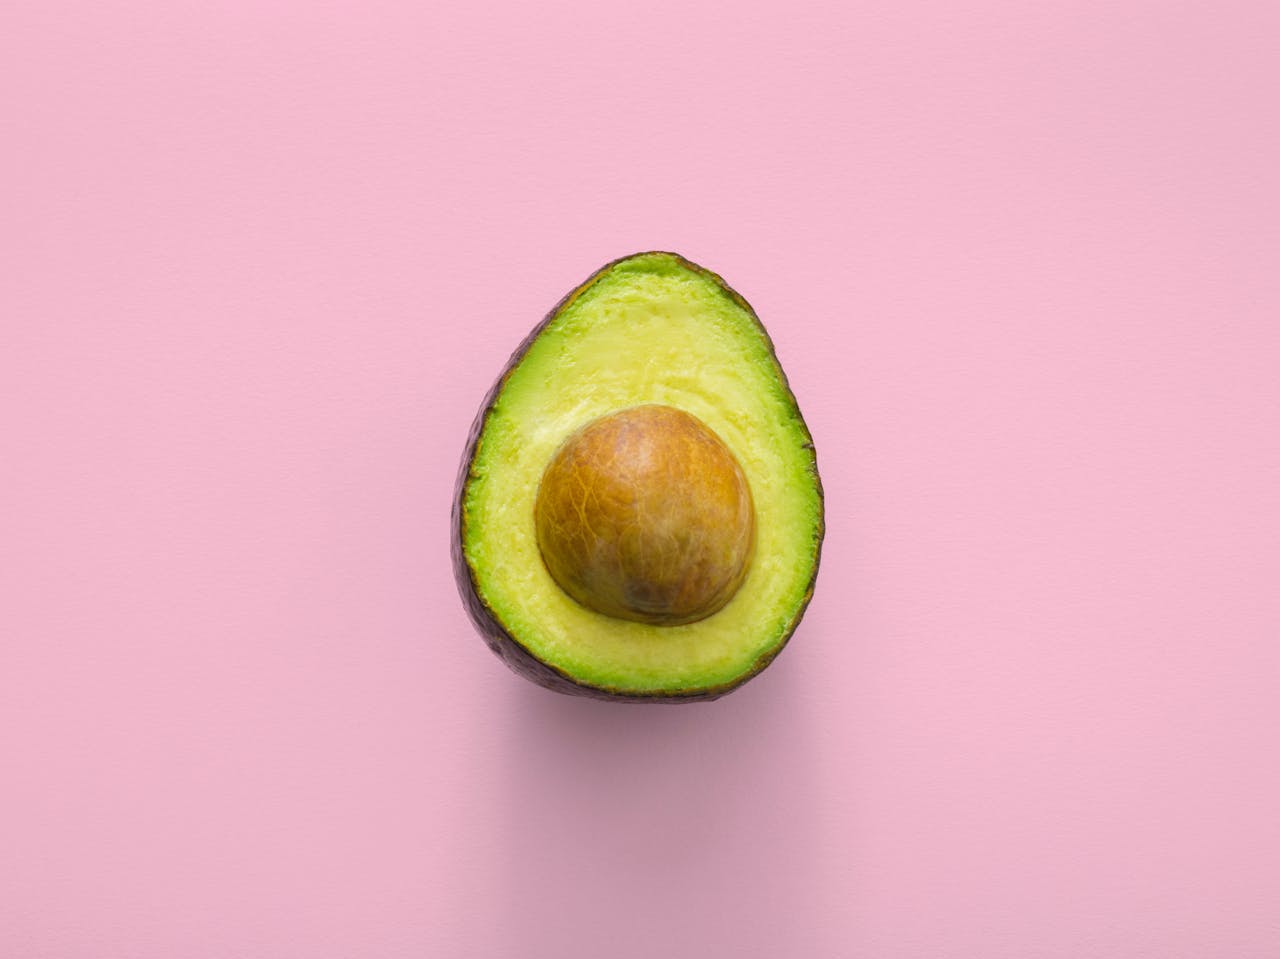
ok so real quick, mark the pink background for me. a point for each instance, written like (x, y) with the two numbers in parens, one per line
(261, 261)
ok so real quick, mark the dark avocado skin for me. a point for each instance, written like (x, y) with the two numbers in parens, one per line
(486, 621)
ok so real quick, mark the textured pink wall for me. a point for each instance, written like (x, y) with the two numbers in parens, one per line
(260, 261)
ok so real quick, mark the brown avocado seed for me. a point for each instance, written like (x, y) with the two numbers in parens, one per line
(645, 515)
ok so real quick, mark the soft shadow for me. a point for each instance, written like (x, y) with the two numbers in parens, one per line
(638, 827)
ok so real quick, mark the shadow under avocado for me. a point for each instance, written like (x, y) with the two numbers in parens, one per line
(653, 821)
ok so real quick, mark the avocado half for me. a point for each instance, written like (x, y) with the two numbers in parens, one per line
(647, 329)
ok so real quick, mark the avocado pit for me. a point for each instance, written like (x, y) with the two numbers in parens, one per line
(645, 515)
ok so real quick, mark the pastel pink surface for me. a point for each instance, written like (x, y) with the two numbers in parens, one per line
(261, 262)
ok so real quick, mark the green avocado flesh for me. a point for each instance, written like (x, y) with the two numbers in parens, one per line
(649, 329)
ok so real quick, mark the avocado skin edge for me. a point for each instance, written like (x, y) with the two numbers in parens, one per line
(492, 630)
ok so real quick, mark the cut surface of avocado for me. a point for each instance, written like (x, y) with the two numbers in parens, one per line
(650, 330)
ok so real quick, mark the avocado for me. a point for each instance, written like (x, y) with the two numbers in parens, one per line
(638, 515)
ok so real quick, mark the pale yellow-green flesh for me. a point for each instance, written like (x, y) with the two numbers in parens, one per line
(649, 330)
